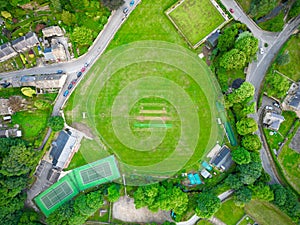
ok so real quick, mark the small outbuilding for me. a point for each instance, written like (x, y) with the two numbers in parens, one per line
(212, 40)
(204, 173)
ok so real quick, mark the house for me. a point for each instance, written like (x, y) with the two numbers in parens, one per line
(223, 159)
(6, 52)
(49, 81)
(272, 120)
(5, 108)
(204, 173)
(294, 102)
(52, 31)
(212, 40)
(63, 148)
(48, 54)
(26, 42)
(58, 50)
(13, 132)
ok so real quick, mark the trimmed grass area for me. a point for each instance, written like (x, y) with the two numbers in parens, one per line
(275, 24)
(204, 222)
(229, 213)
(292, 69)
(148, 22)
(246, 221)
(8, 92)
(196, 19)
(290, 161)
(266, 213)
(245, 4)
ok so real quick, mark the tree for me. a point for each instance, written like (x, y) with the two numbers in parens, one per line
(260, 8)
(82, 36)
(262, 191)
(277, 85)
(251, 142)
(248, 109)
(250, 172)
(246, 126)
(227, 39)
(241, 156)
(56, 5)
(234, 59)
(242, 196)
(145, 195)
(234, 181)
(27, 91)
(113, 193)
(19, 161)
(295, 9)
(56, 123)
(279, 195)
(241, 95)
(112, 4)
(68, 18)
(208, 205)
(247, 44)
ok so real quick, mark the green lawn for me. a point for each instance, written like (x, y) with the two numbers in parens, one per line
(246, 221)
(196, 19)
(245, 4)
(148, 22)
(275, 24)
(265, 213)
(8, 92)
(204, 222)
(290, 161)
(292, 69)
(229, 213)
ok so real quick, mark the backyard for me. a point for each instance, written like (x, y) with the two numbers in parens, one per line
(196, 19)
(229, 213)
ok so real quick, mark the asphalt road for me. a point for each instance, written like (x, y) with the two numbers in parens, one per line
(257, 69)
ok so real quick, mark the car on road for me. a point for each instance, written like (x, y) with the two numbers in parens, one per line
(82, 69)
(269, 107)
(70, 86)
(276, 104)
(79, 74)
(74, 81)
(261, 51)
(125, 10)
(86, 64)
(231, 10)
(59, 71)
(66, 93)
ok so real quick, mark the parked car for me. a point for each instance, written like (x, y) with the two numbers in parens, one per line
(269, 107)
(276, 104)
(70, 86)
(82, 69)
(231, 10)
(74, 81)
(125, 10)
(261, 51)
(79, 74)
(66, 93)
(86, 64)
(59, 71)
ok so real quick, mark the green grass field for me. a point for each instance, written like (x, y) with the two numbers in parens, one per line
(229, 213)
(245, 4)
(204, 222)
(266, 213)
(196, 19)
(161, 77)
(292, 69)
(275, 24)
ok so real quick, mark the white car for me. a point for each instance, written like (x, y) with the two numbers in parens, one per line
(261, 51)
(269, 107)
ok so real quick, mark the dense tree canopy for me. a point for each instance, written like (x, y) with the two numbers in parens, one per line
(208, 205)
(251, 142)
(113, 193)
(56, 123)
(234, 181)
(250, 172)
(262, 191)
(247, 44)
(240, 95)
(260, 8)
(277, 85)
(68, 18)
(233, 59)
(112, 4)
(82, 36)
(242, 196)
(246, 126)
(279, 194)
(241, 156)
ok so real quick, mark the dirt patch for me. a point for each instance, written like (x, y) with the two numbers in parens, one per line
(153, 118)
(84, 129)
(153, 111)
(125, 210)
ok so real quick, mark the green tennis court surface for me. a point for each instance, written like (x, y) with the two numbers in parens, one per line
(79, 179)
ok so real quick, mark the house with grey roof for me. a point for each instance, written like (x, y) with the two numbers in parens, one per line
(26, 42)
(63, 148)
(45, 81)
(272, 120)
(212, 40)
(223, 159)
(6, 52)
(294, 102)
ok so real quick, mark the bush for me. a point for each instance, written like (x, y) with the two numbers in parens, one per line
(56, 123)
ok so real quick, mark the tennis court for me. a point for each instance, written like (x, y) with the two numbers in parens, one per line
(79, 179)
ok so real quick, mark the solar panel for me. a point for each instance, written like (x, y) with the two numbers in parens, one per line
(96, 172)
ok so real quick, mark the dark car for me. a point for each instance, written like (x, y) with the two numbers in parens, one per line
(66, 93)
(74, 81)
(59, 71)
(79, 74)
(70, 86)
(125, 10)
(6, 84)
